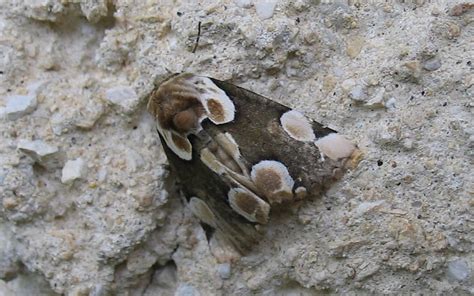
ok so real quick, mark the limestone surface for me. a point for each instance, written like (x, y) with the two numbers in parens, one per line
(394, 76)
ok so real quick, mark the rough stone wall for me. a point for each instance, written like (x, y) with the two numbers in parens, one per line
(87, 206)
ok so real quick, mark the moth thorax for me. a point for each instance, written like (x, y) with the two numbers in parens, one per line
(186, 120)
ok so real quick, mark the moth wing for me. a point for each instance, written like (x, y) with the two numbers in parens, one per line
(199, 182)
(257, 129)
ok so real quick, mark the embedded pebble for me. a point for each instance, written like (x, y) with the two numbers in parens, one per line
(134, 160)
(38, 150)
(265, 8)
(357, 93)
(18, 106)
(83, 117)
(186, 290)
(377, 100)
(458, 270)
(391, 103)
(432, 64)
(243, 3)
(87, 117)
(224, 270)
(354, 46)
(408, 72)
(73, 169)
(123, 96)
(368, 206)
(60, 124)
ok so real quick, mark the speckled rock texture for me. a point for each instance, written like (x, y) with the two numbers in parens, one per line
(88, 206)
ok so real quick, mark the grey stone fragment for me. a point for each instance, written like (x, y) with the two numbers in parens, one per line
(358, 94)
(432, 64)
(18, 106)
(186, 290)
(265, 8)
(124, 97)
(458, 270)
(39, 151)
(73, 169)
(224, 270)
(243, 3)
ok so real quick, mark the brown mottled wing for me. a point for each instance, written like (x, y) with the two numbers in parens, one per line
(197, 180)
(260, 136)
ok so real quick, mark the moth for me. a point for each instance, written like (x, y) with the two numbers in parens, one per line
(238, 154)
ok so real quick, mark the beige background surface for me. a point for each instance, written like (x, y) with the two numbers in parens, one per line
(85, 208)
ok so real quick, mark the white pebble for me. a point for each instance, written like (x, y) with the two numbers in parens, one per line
(37, 149)
(243, 3)
(265, 8)
(367, 207)
(377, 99)
(186, 290)
(21, 105)
(18, 106)
(357, 93)
(102, 174)
(432, 64)
(458, 270)
(134, 160)
(348, 84)
(73, 169)
(224, 270)
(391, 103)
(122, 96)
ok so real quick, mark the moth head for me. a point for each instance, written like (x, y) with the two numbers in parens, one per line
(182, 102)
(176, 107)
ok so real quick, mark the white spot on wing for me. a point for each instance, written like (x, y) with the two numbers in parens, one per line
(297, 126)
(335, 146)
(212, 92)
(168, 137)
(287, 181)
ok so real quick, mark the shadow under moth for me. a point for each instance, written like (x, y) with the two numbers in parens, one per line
(237, 154)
